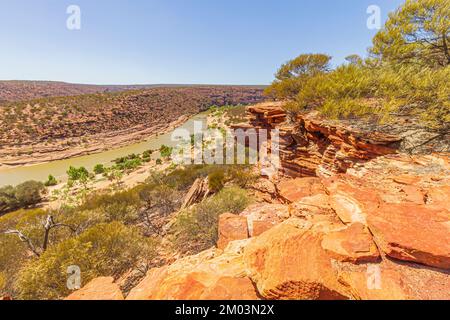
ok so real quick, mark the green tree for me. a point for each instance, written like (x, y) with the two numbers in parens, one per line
(418, 32)
(354, 59)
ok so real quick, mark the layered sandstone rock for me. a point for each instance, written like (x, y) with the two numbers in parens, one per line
(411, 232)
(102, 288)
(263, 216)
(296, 189)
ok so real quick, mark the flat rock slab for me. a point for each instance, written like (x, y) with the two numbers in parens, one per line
(353, 244)
(412, 232)
(297, 189)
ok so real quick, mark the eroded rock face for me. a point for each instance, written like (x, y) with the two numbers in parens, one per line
(263, 216)
(102, 288)
(389, 280)
(229, 288)
(407, 224)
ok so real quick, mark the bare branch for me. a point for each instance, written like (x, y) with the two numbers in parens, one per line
(25, 239)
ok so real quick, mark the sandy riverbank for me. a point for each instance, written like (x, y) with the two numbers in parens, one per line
(61, 150)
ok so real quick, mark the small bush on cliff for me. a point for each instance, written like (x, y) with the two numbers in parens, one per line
(196, 229)
(24, 195)
(103, 250)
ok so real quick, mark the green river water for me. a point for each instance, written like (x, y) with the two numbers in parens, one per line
(40, 172)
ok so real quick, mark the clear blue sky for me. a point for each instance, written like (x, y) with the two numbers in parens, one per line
(176, 41)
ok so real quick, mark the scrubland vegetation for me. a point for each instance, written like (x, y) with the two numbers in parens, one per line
(69, 120)
(112, 232)
(407, 73)
(196, 228)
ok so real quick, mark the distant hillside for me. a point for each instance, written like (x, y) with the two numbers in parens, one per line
(11, 91)
(48, 120)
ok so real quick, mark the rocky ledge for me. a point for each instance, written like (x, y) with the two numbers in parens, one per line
(313, 146)
(365, 223)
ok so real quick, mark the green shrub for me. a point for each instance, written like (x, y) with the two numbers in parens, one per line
(8, 200)
(76, 174)
(241, 175)
(196, 229)
(22, 196)
(147, 153)
(29, 193)
(103, 250)
(158, 201)
(99, 169)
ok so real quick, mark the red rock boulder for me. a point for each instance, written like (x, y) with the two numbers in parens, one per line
(288, 263)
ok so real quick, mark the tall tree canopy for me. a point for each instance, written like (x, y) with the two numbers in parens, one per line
(418, 32)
